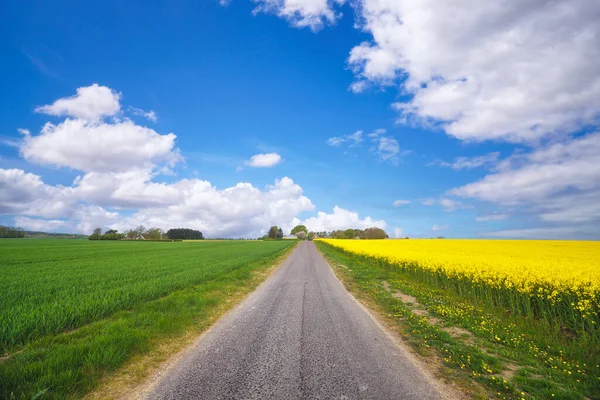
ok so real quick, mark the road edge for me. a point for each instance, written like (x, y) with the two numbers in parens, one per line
(124, 384)
(446, 390)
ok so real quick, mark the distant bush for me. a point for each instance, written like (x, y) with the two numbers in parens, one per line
(375, 233)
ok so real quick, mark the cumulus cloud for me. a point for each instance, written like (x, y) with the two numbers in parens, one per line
(515, 70)
(559, 182)
(302, 13)
(26, 193)
(94, 146)
(265, 160)
(340, 218)
(89, 103)
(398, 203)
(238, 211)
(43, 225)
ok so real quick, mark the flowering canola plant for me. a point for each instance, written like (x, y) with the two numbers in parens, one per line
(555, 280)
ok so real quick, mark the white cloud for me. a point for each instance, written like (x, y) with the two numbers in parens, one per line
(559, 182)
(83, 219)
(388, 148)
(460, 163)
(512, 71)
(17, 187)
(238, 211)
(398, 233)
(451, 205)
(99, 146)
(264, 160)
(353, 139)
(492, 217)
(151, 115)
(34, 224)
(24, 132)
(398, 203)
(437, 228)
(384, 146)
(302, 13)
(90, 103)
(428, 201)
(340, 219)
(25, 193)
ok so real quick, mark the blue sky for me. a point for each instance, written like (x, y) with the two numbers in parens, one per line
(483, 126)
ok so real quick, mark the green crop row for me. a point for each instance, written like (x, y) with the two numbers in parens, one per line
(51, 286)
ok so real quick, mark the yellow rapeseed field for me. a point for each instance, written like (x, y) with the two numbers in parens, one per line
(552, 279)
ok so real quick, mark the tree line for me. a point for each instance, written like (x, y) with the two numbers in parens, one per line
(141, 233)
(369, 233)
(10, 232)
(301, 232)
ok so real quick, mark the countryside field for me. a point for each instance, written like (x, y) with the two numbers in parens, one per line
(520, 317)
(73, 310)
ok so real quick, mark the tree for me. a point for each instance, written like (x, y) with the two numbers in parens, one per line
(139, 231)
(298, 228)
(131, 234)
(273, 232)
(96, 235)
(184, 234)
(301, 235)
(349, 234)
(112, 234)
(375, 233)
(280, 234)
(339, 234)
(152, 234)
(311, 235)
(10, 232)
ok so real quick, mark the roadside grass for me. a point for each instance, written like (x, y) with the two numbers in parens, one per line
(510, 356)
(51, 285)
(71, 363)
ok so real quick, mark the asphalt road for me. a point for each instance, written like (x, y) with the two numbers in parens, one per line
(300, 335)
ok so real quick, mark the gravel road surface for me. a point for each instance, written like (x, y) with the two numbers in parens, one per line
(300, 335)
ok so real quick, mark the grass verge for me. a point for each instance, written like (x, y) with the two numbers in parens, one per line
(486, 351)
(71, 364)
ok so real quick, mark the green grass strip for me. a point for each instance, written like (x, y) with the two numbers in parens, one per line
(70, 364)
